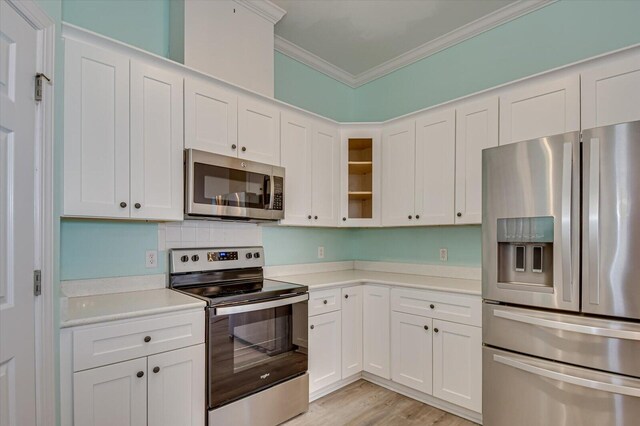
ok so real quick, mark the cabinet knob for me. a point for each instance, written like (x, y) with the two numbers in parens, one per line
(156, 369)
(123, 204)
(344, 219)
(234, 146)
(435, 330)
(417, 216)
(140, 373)
(459, 214)
(426, 327)
(147, 339)
(309, 217)
(315, 217)
(432, 306)
(410, 217)
(325, 302)
(244, 148)
(312, 327)
(346, 296)
(137, 205)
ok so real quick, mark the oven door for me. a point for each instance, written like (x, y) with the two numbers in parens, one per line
(229, 187)
(256, 345)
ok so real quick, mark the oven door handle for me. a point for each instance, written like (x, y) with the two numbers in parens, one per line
(250, 307)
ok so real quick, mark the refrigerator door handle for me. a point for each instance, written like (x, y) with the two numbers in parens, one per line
(567, 378)
(565, 326)
(567, 171)
(593, 265)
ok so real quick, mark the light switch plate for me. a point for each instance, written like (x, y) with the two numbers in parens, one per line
(151, 259)
(444, 255)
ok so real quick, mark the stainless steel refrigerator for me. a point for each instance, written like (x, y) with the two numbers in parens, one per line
(561, 279)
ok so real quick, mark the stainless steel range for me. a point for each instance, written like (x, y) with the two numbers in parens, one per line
(256, 335)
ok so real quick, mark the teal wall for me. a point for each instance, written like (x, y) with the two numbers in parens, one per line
(559, 34)
(288, 245)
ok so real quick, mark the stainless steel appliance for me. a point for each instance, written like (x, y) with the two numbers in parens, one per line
(561, 279)
(223, 187)
(256, 335)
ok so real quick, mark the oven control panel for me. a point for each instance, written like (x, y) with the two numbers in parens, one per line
(215, 258)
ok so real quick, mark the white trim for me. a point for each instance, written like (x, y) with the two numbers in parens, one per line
(264, 8)
(472, 29)
(44, 319)
(334, 387)
(307, 268)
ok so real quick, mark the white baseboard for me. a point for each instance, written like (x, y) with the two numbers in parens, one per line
(334, 387)
(460, 272)
(306, 268)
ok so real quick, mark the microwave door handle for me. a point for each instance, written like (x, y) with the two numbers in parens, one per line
(567, 171)
(272, 189)
(250, 307)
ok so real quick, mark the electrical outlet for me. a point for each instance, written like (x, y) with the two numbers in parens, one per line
(320, 252)
(444, 255)
(151, 259)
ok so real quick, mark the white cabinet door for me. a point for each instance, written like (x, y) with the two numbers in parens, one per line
(324, 350)
(156, 143)
(296, 146)
(111, 395)
(351, 330)
(411, 354)
(258, 131)
(611, 93)
(210, 117)
(96, 136)
(476, 129)
(398, 174)
(435, 168)
(376, 330)
(177, 387)
(325, 176)
(539, 109)
(457, 364)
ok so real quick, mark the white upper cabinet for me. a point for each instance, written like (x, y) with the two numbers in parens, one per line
(542, 108)
(411, 351)
(476, 129)
(258, 131)
(296, 146)
(611, 93)
(324, 349)
(376, 347)
(325, 175)
(435, 168)
(156, 143)
(398, 171)
(351, 330)
(210, 117)
(96, 142)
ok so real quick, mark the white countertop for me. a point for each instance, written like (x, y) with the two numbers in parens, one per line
(322, 280)
(92, 309)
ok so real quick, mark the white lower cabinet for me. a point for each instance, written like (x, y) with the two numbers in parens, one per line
(324, 348)
(351, 331)
(411, 351)
(376, 330)
(457, 364)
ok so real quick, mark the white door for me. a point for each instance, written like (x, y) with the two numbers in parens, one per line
(295, 156)
(476, 129)
(540, 109)
(96, 132)
(210, 118)
(176, 387)
(325, 176)
(156, 143)
(324, 350)
(18, 197)
(258, 131)
(112, 395)
(351, 330)
(376, 330)
(457, 364)
(611, 93)
(435, 168)
(398, 174)
(411, 353)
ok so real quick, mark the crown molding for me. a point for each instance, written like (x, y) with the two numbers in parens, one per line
(472, 29)
(269, 11)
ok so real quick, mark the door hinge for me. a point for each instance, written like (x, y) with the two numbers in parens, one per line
(39, 83)
(37, 282)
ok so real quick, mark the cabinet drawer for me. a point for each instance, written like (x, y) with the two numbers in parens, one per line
(458, 308)
(321, 302)
(107, 344)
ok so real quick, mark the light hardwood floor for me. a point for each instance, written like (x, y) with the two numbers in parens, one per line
(363, 403)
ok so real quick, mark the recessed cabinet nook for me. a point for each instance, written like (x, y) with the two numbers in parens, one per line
(420, 169)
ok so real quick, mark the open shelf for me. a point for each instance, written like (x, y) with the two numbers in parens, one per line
(360, 167)
(360, 163)
(360, 195)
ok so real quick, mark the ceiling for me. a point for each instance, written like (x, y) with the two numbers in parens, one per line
(353, 38)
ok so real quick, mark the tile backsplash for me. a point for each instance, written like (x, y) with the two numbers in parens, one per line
(200, 233)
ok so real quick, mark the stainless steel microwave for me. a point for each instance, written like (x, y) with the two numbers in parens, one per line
(220, 187)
